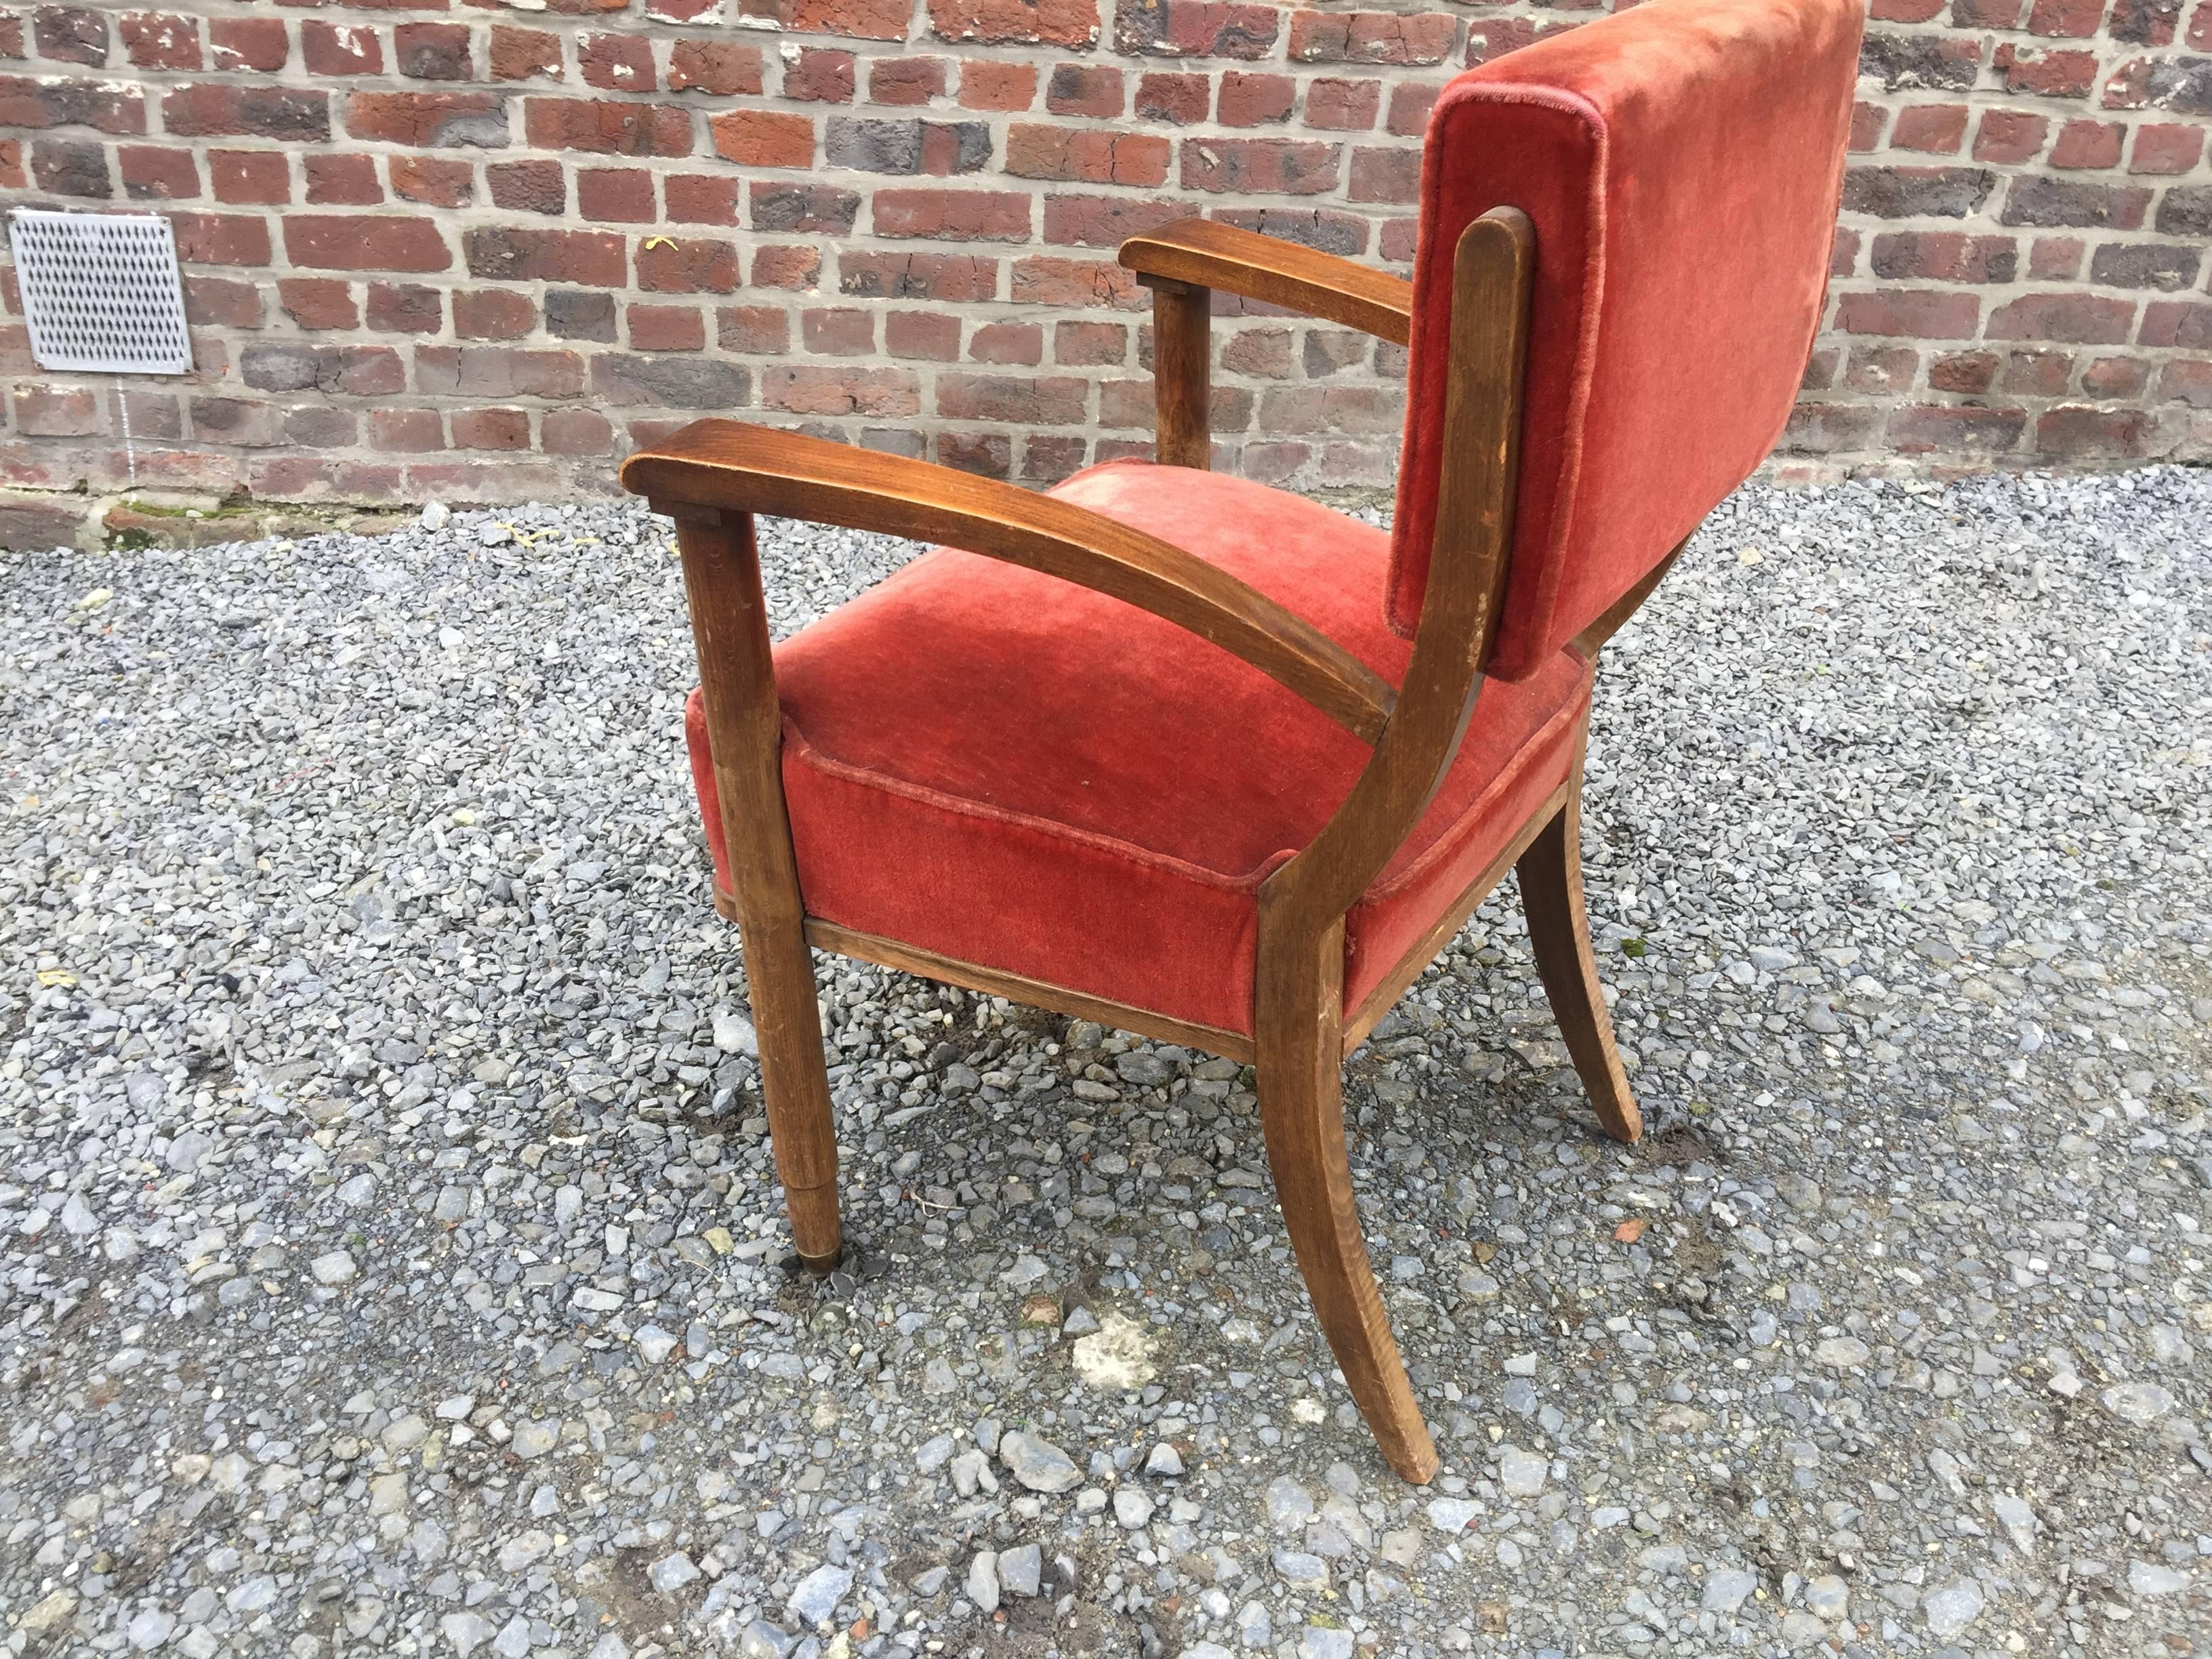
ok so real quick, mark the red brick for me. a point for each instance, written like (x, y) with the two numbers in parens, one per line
(575, 432)
(1180, 99)
(218, 302)
(220, 238)
(1247, 166)
(1083, 345)
(594, 258)
(1931, 314)
(2116, 378)
(924, 336)
(2075, 318)
(2072, 432)
(2183, 322)
(1955, 429)
(699, 199)
(25, 102)
(1024, 400)
(1026, 22)
(344, 180)
(2037, 374)
(493, 313)
(1968, 372)
(987, 85)
(756, 330)
(2051, 74)
(1881, 368)
(1249, 100)
(2165, 148)
(318, 302)
(786, 267)
(667, 328)
(249, 177)
(1049, 460)
(56, 411)
(1410, 104)
(421, 120)
(953, 216)
(762, 138)
(405, 308)
(604, 127)
(221, 111)
(1085, 155)
(2088, 145)
(406, 431)
(497, 372)
(524, 54)
(433, 181)
(491, 428)
(1905, 11)
(838, 331)
(340, 49)
(2075, 18)
(987, 454)
(1335, 106)
(1939, 128)
(859, 20)
(2056, 258)
(1193, 28)
(1867, 121)
(953, 278)
(261, 44)
(1018, 344)
(433, 51)
(533, 187)
(161, 39)
(615, 195)
(1944, 256)
(1489, 40)
(2185, 381)
(687, 264)
(1371, 37)
(152, 173)
(1106, 221)
(726, 69)
(2010, 136)
(1385, 175)
(809, 389)
(907, 80)
(820, 76)
(365, 242)
(618, 63)
(1262, 353)
(1083, 90)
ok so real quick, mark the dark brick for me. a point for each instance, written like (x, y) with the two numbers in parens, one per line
(804, 210)
(1917, 192)
(2186, 210)
(534, 186)
(221, 111)
(1193, 28)
(2050, 203)
(1899, 61)
(899, 146)
(71, 34)
(432, 51)
(72, 167)
(2166, 266)
(575, 314)
(701, 383)
(355, 371)
(106, 108)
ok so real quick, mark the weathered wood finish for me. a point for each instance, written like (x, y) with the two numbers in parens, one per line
(1182, 374)
(742, 468)
(1301, 1031)
(1203, 254)
(1298, 1015)
(744, 732)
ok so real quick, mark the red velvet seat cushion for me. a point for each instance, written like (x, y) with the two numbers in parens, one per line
(1682, 162)
(1009, 770)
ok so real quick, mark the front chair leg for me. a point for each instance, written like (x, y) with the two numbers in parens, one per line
(744, 733)
(1551, 872)
(1300, 1056)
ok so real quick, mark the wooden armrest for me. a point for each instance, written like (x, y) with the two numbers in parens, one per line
(1205, 254)
(735, 466)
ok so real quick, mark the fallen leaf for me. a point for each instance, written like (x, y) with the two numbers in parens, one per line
(1629, 1231)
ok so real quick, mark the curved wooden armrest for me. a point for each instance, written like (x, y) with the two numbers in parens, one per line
(1205, 254)
(735, 466)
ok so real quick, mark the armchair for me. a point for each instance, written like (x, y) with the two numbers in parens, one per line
(1251, 764)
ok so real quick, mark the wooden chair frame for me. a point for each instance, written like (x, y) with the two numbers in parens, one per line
(713, 476)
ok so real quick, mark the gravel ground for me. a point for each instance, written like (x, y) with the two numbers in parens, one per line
(393, 1264)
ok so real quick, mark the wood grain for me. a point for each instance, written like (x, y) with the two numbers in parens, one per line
(744, 733)
(739, 467)
(1205, 254)
(1183, 375)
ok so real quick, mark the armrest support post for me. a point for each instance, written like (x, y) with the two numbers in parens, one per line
(1183, 353)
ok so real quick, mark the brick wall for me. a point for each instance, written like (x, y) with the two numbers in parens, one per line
(475, 249)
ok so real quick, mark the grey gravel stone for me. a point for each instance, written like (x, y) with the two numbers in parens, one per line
(1037, 1463)
(817, 1595)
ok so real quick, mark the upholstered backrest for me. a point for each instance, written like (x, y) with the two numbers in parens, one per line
(1682, 162)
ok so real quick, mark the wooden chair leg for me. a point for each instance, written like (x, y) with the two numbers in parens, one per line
(1551, 872)
(744, 732)
(1299, 1040)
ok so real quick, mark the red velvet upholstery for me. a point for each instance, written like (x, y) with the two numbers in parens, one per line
(1009, 770)
(1682, 162)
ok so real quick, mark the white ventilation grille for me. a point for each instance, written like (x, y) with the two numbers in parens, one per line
(101, 291)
